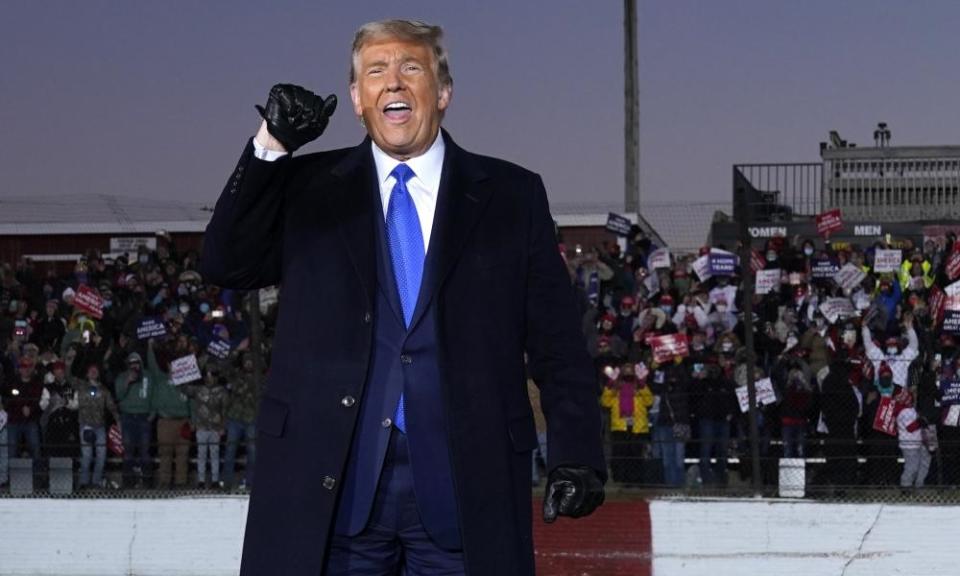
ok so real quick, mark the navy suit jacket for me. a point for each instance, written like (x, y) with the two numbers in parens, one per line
(495, 288)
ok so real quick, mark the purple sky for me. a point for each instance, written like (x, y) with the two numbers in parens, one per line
(156, 98)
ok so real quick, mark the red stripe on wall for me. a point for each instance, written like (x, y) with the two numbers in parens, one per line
(613, 541)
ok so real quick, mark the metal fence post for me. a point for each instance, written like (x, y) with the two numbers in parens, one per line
(746, 270)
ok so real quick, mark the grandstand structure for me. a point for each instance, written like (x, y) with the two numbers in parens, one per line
(882, 191)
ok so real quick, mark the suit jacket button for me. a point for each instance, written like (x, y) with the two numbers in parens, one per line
(348, 401)
(367, 317)
(406, 359)
(329, 482)
(386, 422)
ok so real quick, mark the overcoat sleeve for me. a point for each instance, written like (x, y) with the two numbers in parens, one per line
(242, 243)
(557, 352)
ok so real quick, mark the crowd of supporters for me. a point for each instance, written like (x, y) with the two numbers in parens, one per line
(82, 377)
(854, 367)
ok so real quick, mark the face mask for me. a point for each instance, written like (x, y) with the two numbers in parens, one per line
(820, 323)
(184, 308)
(721, 308)
(892, 350)
(107, 303)
(143, 259)
(791, 342)
(204, 307)
(808, 251)
(727, 346)
(771, 256)
(668, 310)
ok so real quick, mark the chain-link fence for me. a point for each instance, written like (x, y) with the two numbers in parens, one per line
(164, 471)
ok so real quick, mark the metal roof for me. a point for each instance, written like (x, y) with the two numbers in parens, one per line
(98, 214)
(683, 226)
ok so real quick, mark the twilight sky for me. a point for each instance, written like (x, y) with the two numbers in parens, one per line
(155, 99)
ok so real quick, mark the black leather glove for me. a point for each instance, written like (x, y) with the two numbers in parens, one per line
(296, 115)
(572, 491)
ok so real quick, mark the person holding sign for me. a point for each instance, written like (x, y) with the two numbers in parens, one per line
(423, 273)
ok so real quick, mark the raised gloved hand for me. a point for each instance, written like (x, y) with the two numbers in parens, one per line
(572, 491)
(295, 115)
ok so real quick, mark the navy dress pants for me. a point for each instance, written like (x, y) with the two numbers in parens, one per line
(394, 542)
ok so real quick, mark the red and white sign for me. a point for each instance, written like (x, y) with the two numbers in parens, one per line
(667, 347)
(937, 303)
(757, 263)
(183, 370)
(849, 277)
(89, 301)
(765, 394)
(886, 419)
(887, 261)
(828, 222)
(115, 441)
(768, 280)
(953, 262)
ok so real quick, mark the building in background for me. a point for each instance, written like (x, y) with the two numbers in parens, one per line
(883, 192)
(60, 229)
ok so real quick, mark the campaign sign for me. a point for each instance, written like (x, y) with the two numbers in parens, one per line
(87, 300)
(953, 262)
(151, 328)
(722, 264)
(701, 267)
(951, 321)
(659, 258)
(887, 260)
(834, 309)
(668, 346)
(115, 441)
(885, 419)
(757, 263)
(765, 394)
(828, 222)
(219, 348)
(823, 268)
(936, 301)
(767, 280)
(183, 370)
(619, 225)
(950, 392)
(849, 277)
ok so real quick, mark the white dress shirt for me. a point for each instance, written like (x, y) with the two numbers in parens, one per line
(424, 186)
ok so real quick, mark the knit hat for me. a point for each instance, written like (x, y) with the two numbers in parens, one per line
(885, 370)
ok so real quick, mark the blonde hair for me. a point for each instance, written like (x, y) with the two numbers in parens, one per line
(409, 30)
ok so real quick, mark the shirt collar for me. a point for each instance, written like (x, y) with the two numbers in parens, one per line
(427, 167)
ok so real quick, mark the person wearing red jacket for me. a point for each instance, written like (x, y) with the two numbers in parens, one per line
(916, 457)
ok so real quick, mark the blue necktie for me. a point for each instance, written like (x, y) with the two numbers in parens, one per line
(405, 239)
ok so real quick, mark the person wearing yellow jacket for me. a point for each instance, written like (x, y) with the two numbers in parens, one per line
(628, 397)
(915, 274)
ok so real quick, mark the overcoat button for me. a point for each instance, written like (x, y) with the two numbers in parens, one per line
(329, 482)
(406, 359)
(386, 422)
(348, 401)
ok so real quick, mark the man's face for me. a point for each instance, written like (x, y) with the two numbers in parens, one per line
(397, 93)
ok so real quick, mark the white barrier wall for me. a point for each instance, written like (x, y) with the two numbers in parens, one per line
(188, 536)
(203, 537)
(787, 538)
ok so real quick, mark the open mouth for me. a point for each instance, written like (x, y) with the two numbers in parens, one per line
(397, 111)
